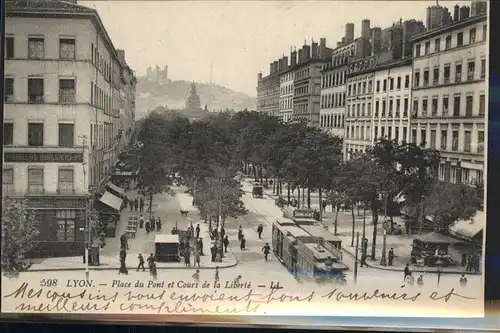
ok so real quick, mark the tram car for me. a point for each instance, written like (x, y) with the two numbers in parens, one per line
(325, 238)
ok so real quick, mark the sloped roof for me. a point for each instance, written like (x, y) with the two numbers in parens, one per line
(435, 237)
(50, 5)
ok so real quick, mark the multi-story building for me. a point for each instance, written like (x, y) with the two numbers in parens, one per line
(307, 82)
(359, 101)
(286, 93)
(333, 84)
(61, 115)
(127, 102)
(392, 96)
(268, 90)
(449, 95)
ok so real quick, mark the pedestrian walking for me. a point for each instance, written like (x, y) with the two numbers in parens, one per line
(136, 204)
(222, 232)
(151, 260)
(407, 271)
(141, 263)
(131, 205)
(260, 228)
(158, 224)
(266, 249)
(187, 256)
(200, 245)
(216, 277)
(242, 242)
(141, 221)
(197, 258)
(148, 227)
(152, 224)
(391, 256)
(213, 251)
(226, 243)
(154, 272)
(141, 204)
(196, 276)
(463, 281)
(124, 241)
(363, 260)
(123, 255)
(420, 281)
(218, 252)
(198, 231)
(240, 233)
(123, 268)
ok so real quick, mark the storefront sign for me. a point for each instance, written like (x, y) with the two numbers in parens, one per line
(303, 213)
(56, 203)
(43, 157)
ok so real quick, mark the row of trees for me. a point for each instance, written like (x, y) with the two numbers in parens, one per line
(208, 154)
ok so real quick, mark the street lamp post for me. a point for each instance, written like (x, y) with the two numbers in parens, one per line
(383, 260)
(439, 265)
(87, 215)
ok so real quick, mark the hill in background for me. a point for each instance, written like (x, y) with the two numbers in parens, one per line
(151, 94)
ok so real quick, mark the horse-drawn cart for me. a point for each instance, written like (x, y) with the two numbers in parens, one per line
(257, 191)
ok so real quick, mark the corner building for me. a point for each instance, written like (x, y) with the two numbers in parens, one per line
(61, 115)
(449, 96)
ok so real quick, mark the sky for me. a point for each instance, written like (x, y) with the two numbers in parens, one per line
(237, 38)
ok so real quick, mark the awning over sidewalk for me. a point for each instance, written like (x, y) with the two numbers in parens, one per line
(115, 188)
(111, 201)
(468, 229)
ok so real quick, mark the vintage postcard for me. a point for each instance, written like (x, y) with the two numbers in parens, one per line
(218, 160)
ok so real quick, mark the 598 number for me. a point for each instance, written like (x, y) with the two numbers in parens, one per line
(48, 283)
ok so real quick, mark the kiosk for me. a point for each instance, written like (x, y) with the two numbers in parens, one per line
(167, 248)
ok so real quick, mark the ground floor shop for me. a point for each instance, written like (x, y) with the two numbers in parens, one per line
(61, 222)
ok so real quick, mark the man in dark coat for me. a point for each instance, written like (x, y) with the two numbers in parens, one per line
(391, 256)
(260, 228)
(200, 245)
(131, 204)
(266, 249)
(158, 224)
(226, 243)
(151, 260)
(407, 271)
(198, 231)
(141, 204)
(148, 226)
(136, 204)
(213, 251)
(124, 241)
(141, 263)
(242, 242)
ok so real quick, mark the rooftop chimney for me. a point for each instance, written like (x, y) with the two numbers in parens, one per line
(276, 67)
(322, 47)
(456, 13)
(259, 76)
(464, 13)
(349, 32)
(376, 40)
(314, 50)
(300, 56)
(285, 62)
(120, 53)
(306, 52)
(293, 58)
(271, 68)
(365, 29)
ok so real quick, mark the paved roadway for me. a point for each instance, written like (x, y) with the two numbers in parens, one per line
(251, 265)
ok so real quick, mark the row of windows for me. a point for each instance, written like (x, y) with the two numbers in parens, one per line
(301, 91)
(286, 103)
(391, 84)
(331, 120)
(358, 110)
(333, 100)
(99, 98)
(103, 65)
(450, 173)
(363, 132)
(333, 79)
(286, 77)
(459, 41)
(286, 117)
(421, 106)
(36, 48)
(364, 87)
(66, 134)
(394, 108)
(301, 108)
(459, 77)
(36, 181)
(286, 89)
(470, 143)
(302, 74)
(36, 90)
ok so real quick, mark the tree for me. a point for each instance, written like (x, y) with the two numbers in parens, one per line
(19, 234)
(447, 203)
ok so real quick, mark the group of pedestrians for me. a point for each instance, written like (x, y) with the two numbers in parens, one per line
(151, 265)
(410, 280)
(151, 225)
(136, 204)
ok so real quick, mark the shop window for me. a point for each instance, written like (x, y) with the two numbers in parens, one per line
(66, 225)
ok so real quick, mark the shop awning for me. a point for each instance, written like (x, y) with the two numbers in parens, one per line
(115, 188)
(435, 238)
(468, 229)
(111, 201)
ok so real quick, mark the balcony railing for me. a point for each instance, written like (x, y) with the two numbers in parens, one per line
(458, 78)
(35, 99)
(446, 80)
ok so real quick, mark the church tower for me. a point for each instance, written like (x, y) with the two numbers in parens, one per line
(193, 100)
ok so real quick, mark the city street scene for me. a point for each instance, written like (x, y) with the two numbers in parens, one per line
(338, 159)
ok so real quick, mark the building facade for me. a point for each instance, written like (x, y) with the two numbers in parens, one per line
(392, 96)
(286, 96)
(61, 115)
(268, 90)
(359, 104)
(449, 96)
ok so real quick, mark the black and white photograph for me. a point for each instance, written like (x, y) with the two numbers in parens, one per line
(242, 158)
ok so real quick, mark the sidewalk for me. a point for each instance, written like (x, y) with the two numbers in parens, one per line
(168, 209)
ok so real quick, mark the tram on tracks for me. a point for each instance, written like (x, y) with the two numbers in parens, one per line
(308, 250)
